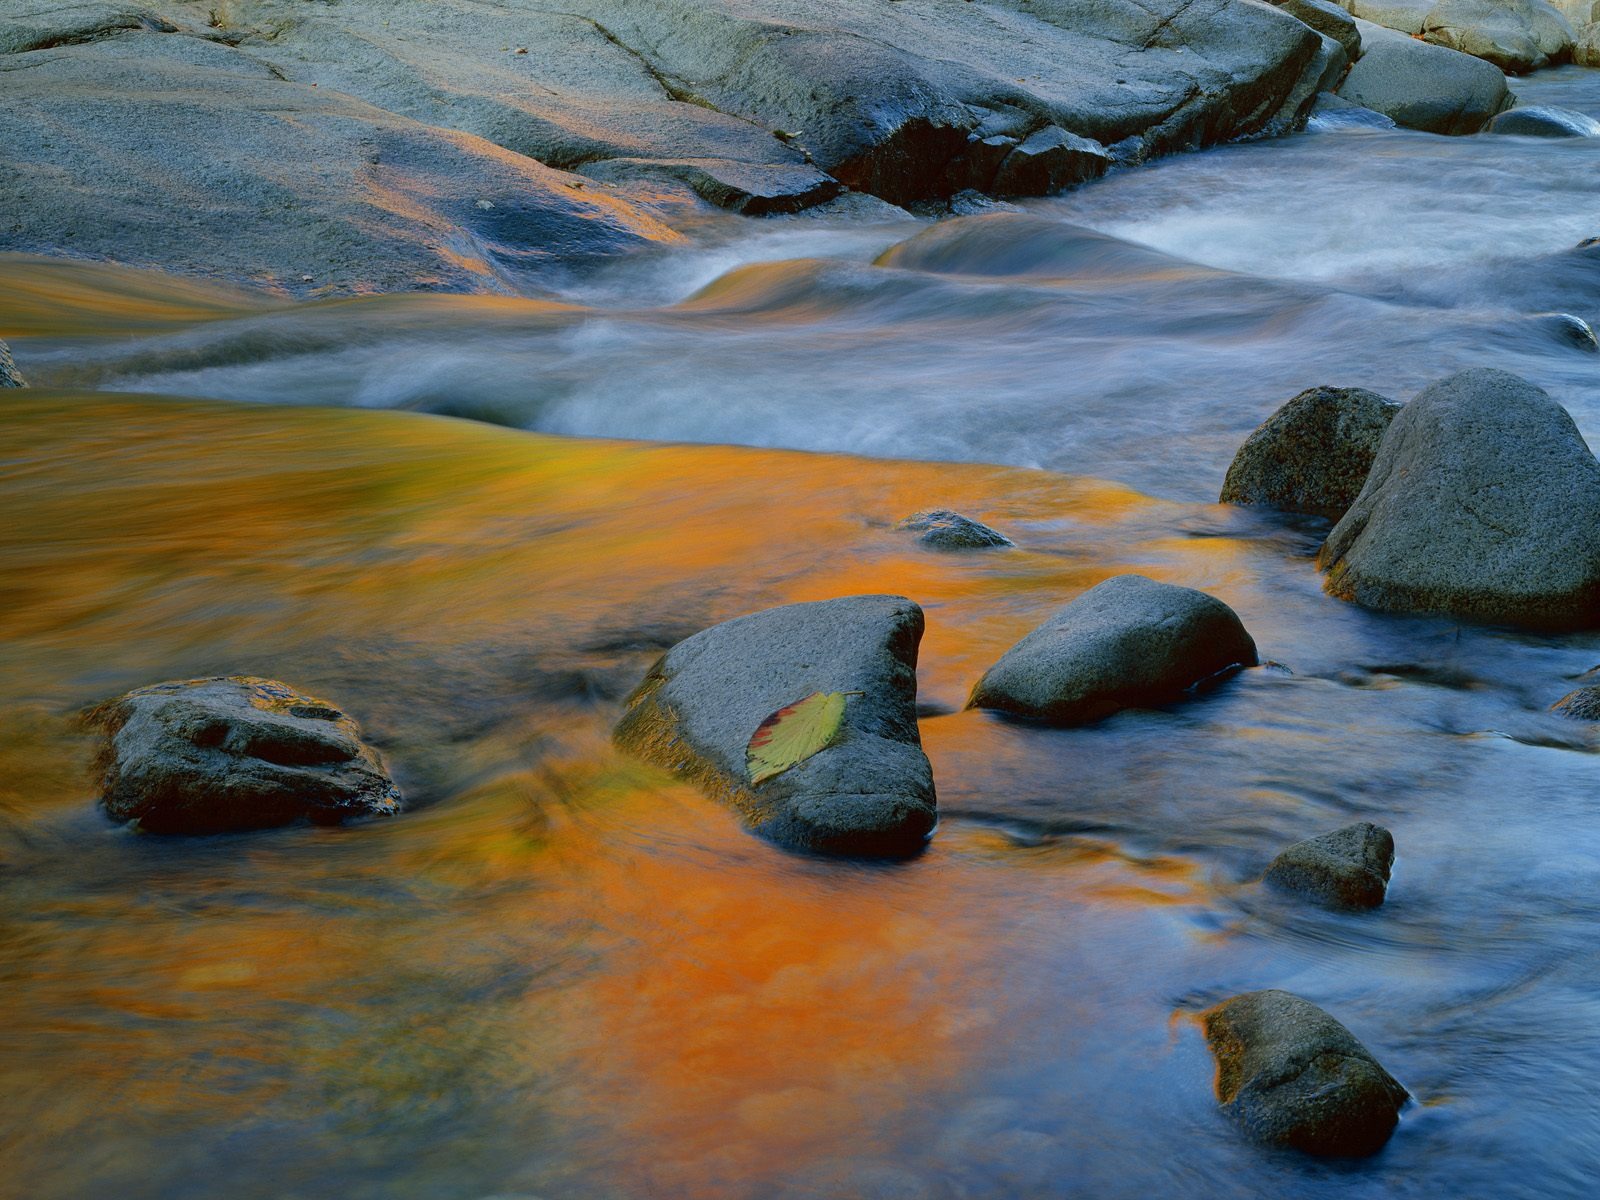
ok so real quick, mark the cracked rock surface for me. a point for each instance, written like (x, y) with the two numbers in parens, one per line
(1483, 503)
(1293, 1076)
(467, 146)
(229, 754)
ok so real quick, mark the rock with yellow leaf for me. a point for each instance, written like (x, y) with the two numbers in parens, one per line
(804, 717)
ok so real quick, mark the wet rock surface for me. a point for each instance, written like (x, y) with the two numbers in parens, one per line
(1348, 868)
(372, 146)
(946, 530)
(10, 377)
(1581, 704)
(1483, 503)
(869, 792)
(1293, 1076)
(1126, 643)
(1544, 121)
(1313, 454)
(229, 754)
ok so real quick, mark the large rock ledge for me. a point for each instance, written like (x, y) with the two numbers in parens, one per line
(869, 792)
(370, 146)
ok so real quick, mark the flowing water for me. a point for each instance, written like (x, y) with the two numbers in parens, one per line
(563, 974)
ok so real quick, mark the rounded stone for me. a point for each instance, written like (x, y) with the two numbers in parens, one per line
(1348, 868)
(1313, 454)
(1293, 1076)
(1129, 642)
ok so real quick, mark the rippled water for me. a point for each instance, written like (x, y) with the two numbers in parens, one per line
(565, 975)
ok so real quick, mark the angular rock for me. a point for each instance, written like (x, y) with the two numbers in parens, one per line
(1543, 121)
(1050, 161)
(1515, 35)
(1483, 503)
(1328, 19)
(946, 530)
(1128, 642)
(1425, 87)
(1583, 704)
(1313, 454)
(869, 792)
(10, 377)
(236, 753)
(1348, 868)
(1292, 1076)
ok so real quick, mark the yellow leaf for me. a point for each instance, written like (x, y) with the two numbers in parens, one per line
(793, 734)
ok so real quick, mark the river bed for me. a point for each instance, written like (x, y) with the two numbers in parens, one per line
(563, 974)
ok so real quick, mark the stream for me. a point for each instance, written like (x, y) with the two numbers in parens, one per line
(565, 974)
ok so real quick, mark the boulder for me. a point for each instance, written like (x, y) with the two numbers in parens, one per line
(1313, 454)
(1483, 503)
(1543, 121)
(1128, 642)
(1293, 1076)
(10, 377)
(1583, 704)
(1328, 19)
(1586, 46)
(946, 530)
(1402, 16)
(227, 754)
(1425, 87)
(1348, 868)
(869, 792)
(1517, 36)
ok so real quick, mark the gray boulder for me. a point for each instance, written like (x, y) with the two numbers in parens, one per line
(1582, 704)
(1543, 121)
(869, 792)
(1403, 16)
(1483, 503)
(228, 754)
(1328, 19)
(946, 530)
(1313, 454)
(10, 377)
(1292, 1076)
(1128, 642)
(1348, 868)
(1425, 87)
(1515, 35)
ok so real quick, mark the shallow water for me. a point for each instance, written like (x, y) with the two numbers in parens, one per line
(564, 974)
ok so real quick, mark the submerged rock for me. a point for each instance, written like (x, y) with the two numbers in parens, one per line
(1515, 35)
(1582, 704)
(1293, 1076)
(1543, 121)
(1425, 87)
(10, 377)
(1332, 111)
(1568, 330)
(946, 530)
(1348, 868)
(236, 753)
(1313, 454)
(1483, 503)
(1126, 643)
(869, 792)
